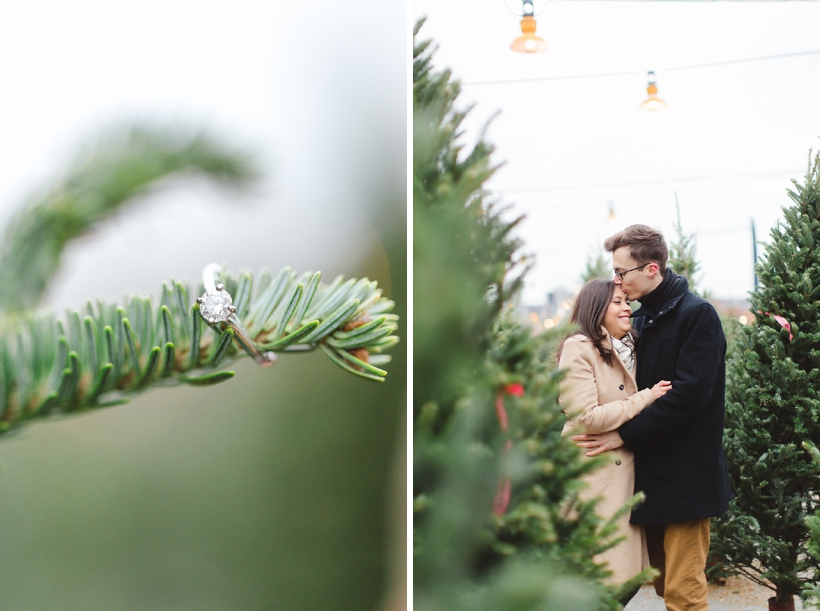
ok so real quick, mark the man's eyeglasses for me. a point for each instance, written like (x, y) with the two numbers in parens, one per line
(622, 274)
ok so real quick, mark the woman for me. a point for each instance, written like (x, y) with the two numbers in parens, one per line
(599, 394)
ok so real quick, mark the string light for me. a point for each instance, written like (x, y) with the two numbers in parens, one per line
(528, 42)
(653, 102)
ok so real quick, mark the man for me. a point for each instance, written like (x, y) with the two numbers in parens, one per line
(678, 440)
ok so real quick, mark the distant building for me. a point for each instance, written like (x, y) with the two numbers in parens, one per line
(555, 309)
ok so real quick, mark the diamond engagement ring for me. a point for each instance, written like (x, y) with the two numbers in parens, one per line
(216, 306)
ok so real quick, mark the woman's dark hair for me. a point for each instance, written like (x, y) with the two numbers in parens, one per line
(589, 311)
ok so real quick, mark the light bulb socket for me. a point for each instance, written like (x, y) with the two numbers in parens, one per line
(653, 102)
(528, 42)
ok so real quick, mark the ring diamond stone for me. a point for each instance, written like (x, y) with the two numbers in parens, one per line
(216, 306)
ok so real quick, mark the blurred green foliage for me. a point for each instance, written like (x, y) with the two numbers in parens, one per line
(475, 366)
(276, 490)
(111, 171)
(269, 492)
(596, 267)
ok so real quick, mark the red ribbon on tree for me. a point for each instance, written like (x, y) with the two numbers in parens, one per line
(516, 390)
(503, 492)
(782, 322)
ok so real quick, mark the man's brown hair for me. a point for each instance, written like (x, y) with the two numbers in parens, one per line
(646, 245)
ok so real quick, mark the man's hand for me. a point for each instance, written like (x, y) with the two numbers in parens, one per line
(599, 443)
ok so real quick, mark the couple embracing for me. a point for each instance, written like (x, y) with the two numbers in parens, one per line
(647, 389)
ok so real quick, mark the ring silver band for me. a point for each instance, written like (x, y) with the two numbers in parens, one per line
(216, 306)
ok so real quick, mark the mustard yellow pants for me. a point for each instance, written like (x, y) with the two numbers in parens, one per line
(678, 550)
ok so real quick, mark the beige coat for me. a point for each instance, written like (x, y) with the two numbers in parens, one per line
(598, 397)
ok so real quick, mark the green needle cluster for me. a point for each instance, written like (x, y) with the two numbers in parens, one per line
(107, 352)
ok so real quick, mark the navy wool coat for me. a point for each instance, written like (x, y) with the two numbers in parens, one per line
(678, 440)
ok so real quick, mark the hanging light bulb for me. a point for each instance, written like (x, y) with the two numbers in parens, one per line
(528, 42)
(653, 102)
(612, 216)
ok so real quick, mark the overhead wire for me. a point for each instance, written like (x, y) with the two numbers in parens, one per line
(663, 181)
(633, 72)
(645, 183)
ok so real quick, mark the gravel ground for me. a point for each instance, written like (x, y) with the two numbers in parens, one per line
(738, 594)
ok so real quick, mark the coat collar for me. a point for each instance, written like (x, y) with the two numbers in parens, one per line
(676, 293)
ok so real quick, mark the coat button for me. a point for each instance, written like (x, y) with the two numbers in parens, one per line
(618, 462)
(621, 387)
(651, 321)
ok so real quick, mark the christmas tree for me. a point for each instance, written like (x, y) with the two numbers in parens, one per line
(495, 526)
(773, 406)
(812, 593)
(597, 266)
(683, 253)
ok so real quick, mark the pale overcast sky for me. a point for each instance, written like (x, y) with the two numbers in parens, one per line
(317, 89)
(730, 141)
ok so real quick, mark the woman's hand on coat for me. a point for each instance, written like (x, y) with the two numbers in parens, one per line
(599, 443)
(661, 388)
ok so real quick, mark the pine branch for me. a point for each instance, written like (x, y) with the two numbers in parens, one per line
(754, 577)
(111, 172)
(107, 353)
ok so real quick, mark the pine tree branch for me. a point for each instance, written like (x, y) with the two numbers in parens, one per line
(754, 577)
(111, 172)
(107, 353)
